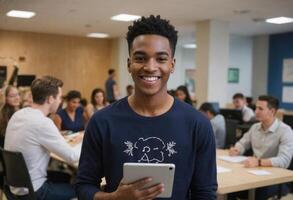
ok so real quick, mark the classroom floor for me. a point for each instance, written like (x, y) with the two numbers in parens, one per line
(288, 197)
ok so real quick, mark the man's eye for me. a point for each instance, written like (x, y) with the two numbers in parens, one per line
(162, 59)
(139, 58)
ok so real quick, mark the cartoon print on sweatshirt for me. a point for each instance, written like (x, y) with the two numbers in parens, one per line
(150, 150)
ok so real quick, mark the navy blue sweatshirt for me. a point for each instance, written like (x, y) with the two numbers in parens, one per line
(181, 136)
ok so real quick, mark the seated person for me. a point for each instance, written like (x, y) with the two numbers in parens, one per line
(218, 123)
(271, 141)
(98, 101)
(71, 118)
(11, 105)
(240, 104)
(32, 133)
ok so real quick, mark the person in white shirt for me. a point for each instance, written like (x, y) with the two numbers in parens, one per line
(240, 104)
(32, 133)
(271, 141)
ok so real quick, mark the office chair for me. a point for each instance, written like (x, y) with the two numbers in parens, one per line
(16, 175)
(231, 126)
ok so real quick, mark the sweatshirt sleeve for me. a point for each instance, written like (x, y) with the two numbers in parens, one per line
(90, 170)
(204, 180)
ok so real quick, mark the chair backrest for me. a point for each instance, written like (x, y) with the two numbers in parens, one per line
(16, 174)
(288, 119)
(231, 126)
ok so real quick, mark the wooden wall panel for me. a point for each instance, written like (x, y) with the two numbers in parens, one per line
(82, 63)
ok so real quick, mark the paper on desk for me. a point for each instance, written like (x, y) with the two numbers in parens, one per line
(221, 169)
(233, 159)
(259, 172)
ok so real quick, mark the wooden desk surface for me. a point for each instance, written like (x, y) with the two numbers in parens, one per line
(239, 179)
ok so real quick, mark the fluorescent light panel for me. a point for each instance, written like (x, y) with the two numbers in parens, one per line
(280, 20)
(98, 35)
(20, 14)
(125, 17)
(189, 46)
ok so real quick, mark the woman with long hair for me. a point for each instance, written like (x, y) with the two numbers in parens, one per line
(183, 94)
(12, 102)
(98, 101)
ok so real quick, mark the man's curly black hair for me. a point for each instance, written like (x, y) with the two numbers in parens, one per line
(152, 25)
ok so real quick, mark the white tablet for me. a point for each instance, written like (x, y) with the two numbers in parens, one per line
(160, 173)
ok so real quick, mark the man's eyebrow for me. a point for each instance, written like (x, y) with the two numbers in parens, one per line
(158, 53)
(162, 53)
(139, 53)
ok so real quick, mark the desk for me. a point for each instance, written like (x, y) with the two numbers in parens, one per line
(239, 179)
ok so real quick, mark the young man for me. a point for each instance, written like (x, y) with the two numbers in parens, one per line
(149, 126)
(218, 123)
(271, 140)
(240, 104)
(111, 87)
(32, 133)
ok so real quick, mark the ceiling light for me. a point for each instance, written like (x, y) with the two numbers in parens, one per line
(280, 20)
(125, 17)
(189, 46)
(98, 35)
(20, 14)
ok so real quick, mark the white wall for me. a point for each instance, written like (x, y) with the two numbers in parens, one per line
(185, 59)
(241, 49)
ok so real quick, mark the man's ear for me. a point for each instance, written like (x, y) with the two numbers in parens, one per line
(274, 111)
(173, 65)
(50, 99)
(128, 65)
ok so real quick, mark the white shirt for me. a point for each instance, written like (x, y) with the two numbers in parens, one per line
(33, 134)
(276, 143)
(247, 114)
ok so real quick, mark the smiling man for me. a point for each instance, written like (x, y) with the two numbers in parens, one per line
(149, 126)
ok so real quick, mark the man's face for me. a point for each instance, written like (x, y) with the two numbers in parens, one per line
(150, 64)
(55, 102)
(238, 103)
(263, 112)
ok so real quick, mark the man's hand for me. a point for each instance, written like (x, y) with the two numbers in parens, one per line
(234, 151)
(251, 162)
(135, 191)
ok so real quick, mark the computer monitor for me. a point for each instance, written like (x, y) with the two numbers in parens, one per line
(3, 75)
(232, 114)
(25, 80)
(288, 119)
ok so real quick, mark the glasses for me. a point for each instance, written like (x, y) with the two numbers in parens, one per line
(13, 95)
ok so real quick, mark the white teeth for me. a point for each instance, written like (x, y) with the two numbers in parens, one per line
(150, 78)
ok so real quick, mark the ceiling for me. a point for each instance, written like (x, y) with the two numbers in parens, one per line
(79, 17)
